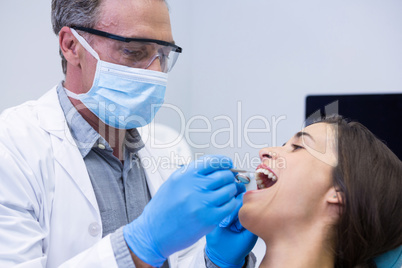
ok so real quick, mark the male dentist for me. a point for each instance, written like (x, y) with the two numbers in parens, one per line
(74, 191)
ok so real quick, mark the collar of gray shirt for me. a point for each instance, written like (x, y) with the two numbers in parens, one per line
(85, 136)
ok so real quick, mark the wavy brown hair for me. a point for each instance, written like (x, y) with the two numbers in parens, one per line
(369, 179)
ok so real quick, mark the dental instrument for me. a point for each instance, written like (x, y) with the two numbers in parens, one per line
(243, 176)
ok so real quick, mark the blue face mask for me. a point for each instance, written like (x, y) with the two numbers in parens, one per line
(122, 97)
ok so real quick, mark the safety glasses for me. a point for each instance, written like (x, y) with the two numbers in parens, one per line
(138, 52)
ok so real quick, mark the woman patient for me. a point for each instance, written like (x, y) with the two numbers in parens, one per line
(330, 197)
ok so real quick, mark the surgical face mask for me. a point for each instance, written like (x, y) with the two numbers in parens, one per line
(122, 97)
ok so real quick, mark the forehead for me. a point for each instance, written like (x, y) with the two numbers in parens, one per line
(136, 18)
(321, 132)
(324, 145)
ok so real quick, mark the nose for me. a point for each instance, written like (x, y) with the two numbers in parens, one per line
(268, 153)
(155, 64)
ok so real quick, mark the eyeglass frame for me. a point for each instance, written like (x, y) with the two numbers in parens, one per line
(127, 39)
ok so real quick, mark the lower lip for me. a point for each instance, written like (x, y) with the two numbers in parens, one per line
(256, 191)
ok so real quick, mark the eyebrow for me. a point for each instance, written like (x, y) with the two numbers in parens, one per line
(302, 133)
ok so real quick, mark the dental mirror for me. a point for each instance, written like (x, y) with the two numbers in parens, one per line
(243, 176)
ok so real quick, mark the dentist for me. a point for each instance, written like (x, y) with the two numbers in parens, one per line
(74, 191)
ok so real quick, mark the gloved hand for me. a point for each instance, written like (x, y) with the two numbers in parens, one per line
(190, 204)
(230, 243)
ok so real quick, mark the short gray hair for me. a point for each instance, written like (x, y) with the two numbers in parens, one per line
(74, 13)
(69, 13)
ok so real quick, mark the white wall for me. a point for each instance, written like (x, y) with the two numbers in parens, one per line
(264, 56)
(29, 59)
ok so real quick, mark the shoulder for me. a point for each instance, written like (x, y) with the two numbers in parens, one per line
(24, 131)
(26, 154)
(28, 118)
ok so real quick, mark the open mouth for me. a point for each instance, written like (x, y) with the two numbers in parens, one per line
(265, 177)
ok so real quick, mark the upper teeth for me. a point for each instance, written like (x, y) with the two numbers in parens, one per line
(266, 172)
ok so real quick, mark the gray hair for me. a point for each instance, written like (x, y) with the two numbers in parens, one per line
(74, 13)
(69, 13)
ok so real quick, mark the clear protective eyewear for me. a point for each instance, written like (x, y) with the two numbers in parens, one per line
(139, 52)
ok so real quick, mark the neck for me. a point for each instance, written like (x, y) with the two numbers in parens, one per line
(115, 137)
(302, 247)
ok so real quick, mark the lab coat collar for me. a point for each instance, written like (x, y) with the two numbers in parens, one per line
(51, 116)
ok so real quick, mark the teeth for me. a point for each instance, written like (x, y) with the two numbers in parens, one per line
(260, 181)
(267, 173)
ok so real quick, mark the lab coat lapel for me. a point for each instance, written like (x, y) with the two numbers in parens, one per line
(154, 178)
(70, 158)
(159, 161)
(66, 153)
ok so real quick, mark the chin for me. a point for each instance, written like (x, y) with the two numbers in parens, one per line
(245, 218)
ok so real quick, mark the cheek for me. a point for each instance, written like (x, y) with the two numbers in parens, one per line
(306, 174)
(310, 190)
(301, 189)
(89, 70)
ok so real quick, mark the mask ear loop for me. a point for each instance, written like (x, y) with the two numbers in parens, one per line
(85, 44)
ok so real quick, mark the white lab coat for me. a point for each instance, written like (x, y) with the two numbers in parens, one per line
(48, 211)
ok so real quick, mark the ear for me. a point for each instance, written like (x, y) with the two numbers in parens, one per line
(68, 45)
(334, 196)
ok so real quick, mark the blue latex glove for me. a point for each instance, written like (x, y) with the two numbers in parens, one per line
(229, 243)
(190, 204)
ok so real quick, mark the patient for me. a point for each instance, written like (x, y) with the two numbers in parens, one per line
(330, 197)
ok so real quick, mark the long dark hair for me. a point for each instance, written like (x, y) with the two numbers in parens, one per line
(369, 179)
